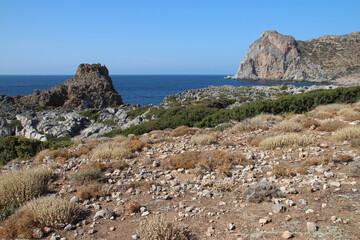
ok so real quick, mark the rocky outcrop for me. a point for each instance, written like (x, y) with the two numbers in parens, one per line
(91, 87)
(280, 57)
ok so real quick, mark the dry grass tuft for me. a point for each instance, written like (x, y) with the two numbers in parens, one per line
(343, 159)
(92, 189)
(142, 184)
(255, 141)
(216, 160)
(86, 175)
(203, 139)
(348, 133)
(136, 145)
(53, 212)
(322, 115)
(248, 125)
(18, 187)
(186, 160)
(283, 171)
(311, 123)
(287, 126)
(262, 191)
(181, 131)
(331, 126)
(317, 161)
(224, 186)
(268, 117)
(111, 151)
(19, 225)
(95, 165)
(302, 171)
(331, 108)
(349, 114)
(158, 228)
(133, 207)
(288, 140)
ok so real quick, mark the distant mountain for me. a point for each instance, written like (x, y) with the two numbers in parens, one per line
(330, 58)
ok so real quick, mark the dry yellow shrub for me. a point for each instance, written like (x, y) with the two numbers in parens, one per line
(111, 151)
(203, 139)
(311, 122)
(181, 131)
(133, 207)
(186, 160)
(20, 186)
(287, 126)
(92, 189)
(348, 133)
(53, 212)
(19, 225)
(288, 140)
(251, 124)
(136, 145)
(330, 126)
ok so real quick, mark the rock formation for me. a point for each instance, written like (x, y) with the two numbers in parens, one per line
(280, 57)
(91, 87)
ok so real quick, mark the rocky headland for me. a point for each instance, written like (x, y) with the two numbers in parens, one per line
(330, 59)
(91, 87)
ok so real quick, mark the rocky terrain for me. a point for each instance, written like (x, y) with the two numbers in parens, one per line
(330, 58)
(91, 87)
(36, 122)
(269, 177)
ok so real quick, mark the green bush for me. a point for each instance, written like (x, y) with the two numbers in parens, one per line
(60, 118)
(16, 124)
(109, 122)
(12, 147)
(91, 114)
(40, 108)
(210, 114)
(137, 112)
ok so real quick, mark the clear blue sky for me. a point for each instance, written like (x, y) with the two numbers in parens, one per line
(155, 36)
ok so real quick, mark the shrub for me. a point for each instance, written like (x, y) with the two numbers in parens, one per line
(95, 165)
(287, 126)
(331, 108)
(52, 212)
(86, 175)
(343, 158)
(12, 147)
(331, 126)
(251, 124)
(216, 160)
(322, 115)
(158, 228)
(137, 112)
(60, 118)
(348, 133)
(19, 225)
(91, 114)
(283, 171)
(302, 171)
(311, 122)
(203, 139)
(93, 189)
(133, 207)
(20, 186)
(181, 131)
(109, 122)
(111, 151)
(288, 140)
(136, 145)
(224, 186)
(185, 160)
(255, 141)
(354, 169)
(16, 124)
(262, 191)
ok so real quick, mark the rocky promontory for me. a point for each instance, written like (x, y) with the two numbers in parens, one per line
(91, 87)
(333, 59)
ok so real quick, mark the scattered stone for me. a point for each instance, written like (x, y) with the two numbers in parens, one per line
(37, 233)
(287, 235)
(311, 227)
(231, 226)
(277, 208)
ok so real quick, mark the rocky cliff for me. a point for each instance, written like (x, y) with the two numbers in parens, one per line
(275, 56)
(91, 87)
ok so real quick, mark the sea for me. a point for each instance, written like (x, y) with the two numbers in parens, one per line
(134, 89)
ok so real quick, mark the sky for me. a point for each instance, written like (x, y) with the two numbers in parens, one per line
(156, 36)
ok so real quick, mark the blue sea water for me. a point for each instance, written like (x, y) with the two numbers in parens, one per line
(134, 89)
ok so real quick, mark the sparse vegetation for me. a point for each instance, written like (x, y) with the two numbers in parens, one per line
(181, 131)
(262, 191)
(86, 175)
(331, 126)
(52, 212)
(288, 140)
(18, 187)
(203, 139)
(136, 145)
(158, 228)
(90, 190)
(111, 151)
(348, 133)
(287, 126)
(251, 124)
